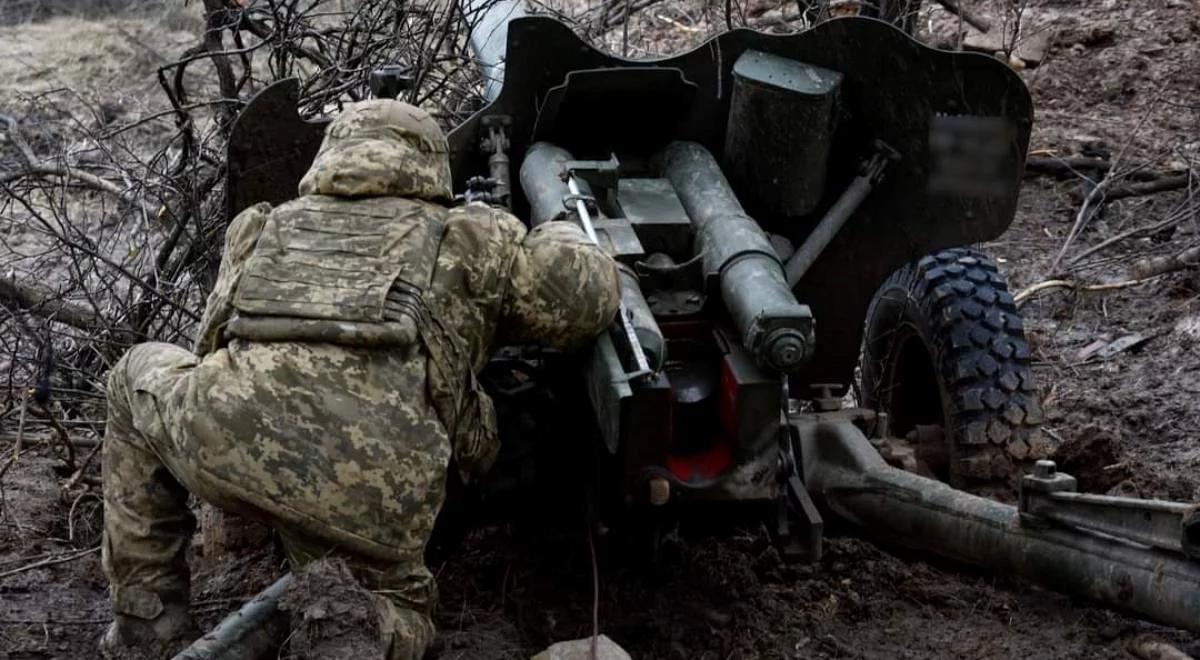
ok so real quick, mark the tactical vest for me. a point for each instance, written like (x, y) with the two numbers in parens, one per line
(354, 273)
(339, 271)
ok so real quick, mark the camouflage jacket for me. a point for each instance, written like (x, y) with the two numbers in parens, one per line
(371, 223)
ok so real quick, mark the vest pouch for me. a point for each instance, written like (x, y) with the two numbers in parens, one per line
(390, 334)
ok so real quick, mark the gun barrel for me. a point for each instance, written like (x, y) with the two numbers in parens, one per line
(488, 21)
(776, 329)
(842, 467)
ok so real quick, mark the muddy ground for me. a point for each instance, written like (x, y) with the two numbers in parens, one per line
(1120, 78)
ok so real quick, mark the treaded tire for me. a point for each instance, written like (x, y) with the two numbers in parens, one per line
(944, 344)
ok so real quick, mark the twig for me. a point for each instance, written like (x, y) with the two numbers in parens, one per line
(1083, 217)
(62, 435)
(611, 20)
(71, 513)
(14, 134)
(1136, 231)
(1077, 165)
(49, 562)
(36, 166)
(1028, 292)
(57, 622)
(16, 452)
(87, 461)
(1161, 184)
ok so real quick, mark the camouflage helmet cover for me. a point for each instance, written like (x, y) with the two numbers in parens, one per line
(381, 148)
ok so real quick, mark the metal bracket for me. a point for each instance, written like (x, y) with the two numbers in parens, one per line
(495, 145)
(874, 167)
(570, 202)
(795, 497)
(600, 175)
(1050, 495)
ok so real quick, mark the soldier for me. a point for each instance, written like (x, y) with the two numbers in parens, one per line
(333, 378)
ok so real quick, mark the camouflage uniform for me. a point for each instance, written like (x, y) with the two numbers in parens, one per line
(333, 377)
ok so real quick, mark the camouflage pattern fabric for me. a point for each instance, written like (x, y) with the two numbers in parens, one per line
(381, 148)
(344, 448)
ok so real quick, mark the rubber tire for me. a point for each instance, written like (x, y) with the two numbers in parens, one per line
(956, 304)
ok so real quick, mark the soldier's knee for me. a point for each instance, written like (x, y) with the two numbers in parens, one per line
(141, 363)
(150, 366)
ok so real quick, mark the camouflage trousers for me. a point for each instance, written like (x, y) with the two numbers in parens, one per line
(154, 456)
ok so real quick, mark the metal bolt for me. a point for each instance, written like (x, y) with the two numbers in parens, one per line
(660, 491)
(786, 350)
(1044, 469)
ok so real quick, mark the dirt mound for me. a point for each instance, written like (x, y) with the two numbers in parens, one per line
(1093, 457)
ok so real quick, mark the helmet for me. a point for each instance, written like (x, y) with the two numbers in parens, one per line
(381, 148)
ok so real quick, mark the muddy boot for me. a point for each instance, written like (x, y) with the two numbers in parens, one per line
(408, 634)
(149, 629)
(332, 616)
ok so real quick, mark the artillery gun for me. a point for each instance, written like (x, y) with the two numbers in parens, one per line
(788, 211)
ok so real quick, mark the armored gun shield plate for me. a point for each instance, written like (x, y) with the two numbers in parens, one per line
(612, 105)
(270, 148)
(938, 109)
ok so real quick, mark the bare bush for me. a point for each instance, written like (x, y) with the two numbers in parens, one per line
(112, 231)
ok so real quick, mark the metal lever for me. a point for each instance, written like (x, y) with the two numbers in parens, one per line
(1050, 495)
(641, 365)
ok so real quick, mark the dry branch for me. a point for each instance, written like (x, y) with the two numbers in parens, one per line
(1151, 266)
(1028, 292)
(50, 562)
(1084, 166)
(78, 475)
(1160, 184)
(49, 304)
(1130, 233)
(1087, 209)
(34, 166)
(61, 433)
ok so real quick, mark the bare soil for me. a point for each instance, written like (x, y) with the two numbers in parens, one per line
(1120, 79)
